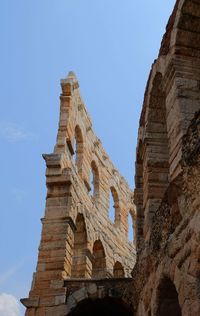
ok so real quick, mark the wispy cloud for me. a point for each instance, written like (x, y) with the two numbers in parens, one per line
(9, 305)
(13, 133)
(5, 276)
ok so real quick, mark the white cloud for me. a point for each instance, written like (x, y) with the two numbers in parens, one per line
(9, 305)
(13, 133)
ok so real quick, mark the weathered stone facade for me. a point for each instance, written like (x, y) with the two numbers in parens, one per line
(167, 273)
(79, 241)
(85, 260)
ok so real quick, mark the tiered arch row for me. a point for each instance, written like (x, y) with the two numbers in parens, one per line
(85, 234)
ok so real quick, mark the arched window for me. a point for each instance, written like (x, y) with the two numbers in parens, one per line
(74, 149)
(78, 148)
(114, 211)
(131, 228)
(111, 208)
(91, 181)
(94, 180)
(99, 260)
(80, 268)
(118, 270)
(168, 303)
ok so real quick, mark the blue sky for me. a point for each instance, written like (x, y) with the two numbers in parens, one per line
(110, 45)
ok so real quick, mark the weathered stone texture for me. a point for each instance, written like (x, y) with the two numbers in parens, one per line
(79, 241)
(166, 277)
(80, 290)
(172, 252)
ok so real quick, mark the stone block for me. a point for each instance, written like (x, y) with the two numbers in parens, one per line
(60, 299)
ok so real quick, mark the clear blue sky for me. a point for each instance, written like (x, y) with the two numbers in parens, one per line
(111, 46)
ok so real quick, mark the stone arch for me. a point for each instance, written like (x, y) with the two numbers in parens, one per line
(107, 306)
(114, 207)
(131, 226)
(78, 148)
(152, 162)
(181, 55)
(81, 266)
(94, 179)
(182, 31)
(118, 270)
(188, 32)
(167, 299)
(99, 260)
(156, 159)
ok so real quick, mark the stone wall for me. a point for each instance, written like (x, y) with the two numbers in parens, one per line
(172, 253)
(79, 240)
(166, 278)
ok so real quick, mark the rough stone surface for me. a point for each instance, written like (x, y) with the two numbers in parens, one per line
(83, 257)
(79, 290)
(166, 277)
(79, 240)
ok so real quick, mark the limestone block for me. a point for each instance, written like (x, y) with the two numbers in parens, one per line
(59, 310)
(57, 284)
(92, 289)
(80, 294)
(60, 299)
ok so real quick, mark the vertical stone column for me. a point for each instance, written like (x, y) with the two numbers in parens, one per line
(66, 128)
(55, 251)
(138, 197)
(182, 101)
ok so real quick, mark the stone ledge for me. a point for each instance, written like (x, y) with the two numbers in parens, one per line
(27, 302)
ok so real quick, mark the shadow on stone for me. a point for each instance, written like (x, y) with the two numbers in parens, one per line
(98, 307)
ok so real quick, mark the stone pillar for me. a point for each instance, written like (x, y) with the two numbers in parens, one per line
(182, 101)
(55, 251)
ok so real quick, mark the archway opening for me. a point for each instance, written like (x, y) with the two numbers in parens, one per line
(94, 180)
(114, 211)
(80, 268)
(131, 228)
(118, 270)
(168, 303)
(111, 212)
(98, 307)
(99, 260)
(78, 148)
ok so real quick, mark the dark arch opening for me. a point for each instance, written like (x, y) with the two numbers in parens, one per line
(99, 260)
(79, 259)
(168, 303)
(118, 270)
(94, 180)
(131, 227)
(114, 210)
(78, 148)
(98, 307)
